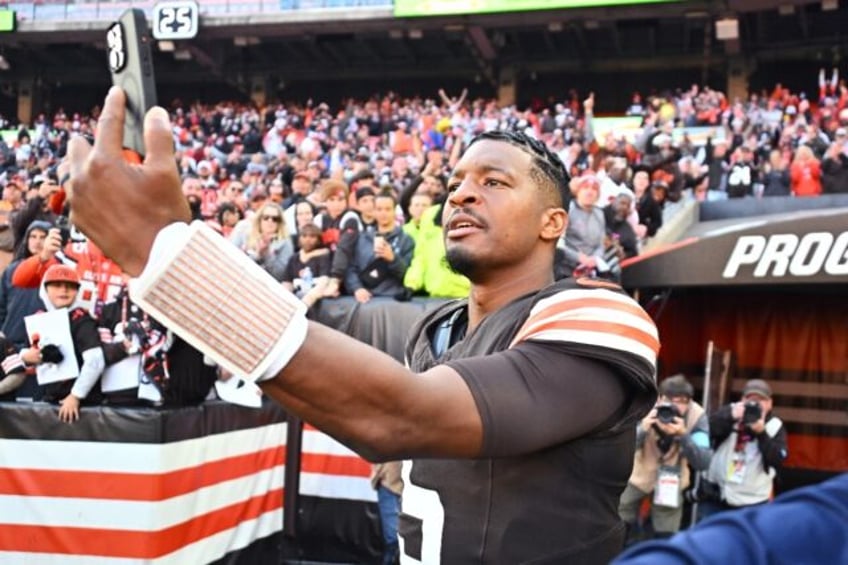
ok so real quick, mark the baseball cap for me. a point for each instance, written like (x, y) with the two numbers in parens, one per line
(584, 179)
(676, 385)
(758, 387)
(61, 273)
(841, 132)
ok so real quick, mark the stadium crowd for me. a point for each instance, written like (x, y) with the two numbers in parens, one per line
(347, 201)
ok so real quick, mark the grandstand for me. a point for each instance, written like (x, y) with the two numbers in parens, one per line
(298, 49)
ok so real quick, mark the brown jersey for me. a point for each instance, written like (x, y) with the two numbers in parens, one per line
(560, 378)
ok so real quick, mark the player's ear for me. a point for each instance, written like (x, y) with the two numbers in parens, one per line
(554, 222)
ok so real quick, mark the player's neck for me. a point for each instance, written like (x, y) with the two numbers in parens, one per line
(491, 295)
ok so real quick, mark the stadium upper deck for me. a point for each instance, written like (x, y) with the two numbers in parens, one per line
(329, 48)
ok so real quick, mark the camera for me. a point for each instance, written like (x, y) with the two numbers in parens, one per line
(64, 226)
(667, 412)
(702, 491)
(691, 495)
(753, 412)
(135, 329)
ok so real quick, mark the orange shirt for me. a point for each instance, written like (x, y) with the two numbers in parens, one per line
(401, 143)
(100, 278)
(805, 178)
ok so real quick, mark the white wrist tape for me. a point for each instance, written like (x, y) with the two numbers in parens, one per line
(219, 300)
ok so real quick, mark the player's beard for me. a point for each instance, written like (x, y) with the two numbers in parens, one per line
(461, 262)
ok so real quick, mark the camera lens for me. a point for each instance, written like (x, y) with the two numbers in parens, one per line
(753, 412)
(666, 413)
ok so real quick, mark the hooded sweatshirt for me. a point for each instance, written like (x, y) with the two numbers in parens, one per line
(17, 302)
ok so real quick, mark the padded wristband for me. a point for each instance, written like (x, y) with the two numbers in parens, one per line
(220, 301)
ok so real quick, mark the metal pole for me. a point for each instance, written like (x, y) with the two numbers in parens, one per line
(705, 402)
(291, 488)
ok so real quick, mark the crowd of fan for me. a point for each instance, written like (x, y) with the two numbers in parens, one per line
(348, 200)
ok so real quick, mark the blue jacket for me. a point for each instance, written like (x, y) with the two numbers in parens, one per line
(15, 304)
(378, 276)
(802, 526)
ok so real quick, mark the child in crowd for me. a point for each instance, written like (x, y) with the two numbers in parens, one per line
(60, 289)
(307, 271)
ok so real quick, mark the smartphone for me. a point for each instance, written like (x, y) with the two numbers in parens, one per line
(131, 64)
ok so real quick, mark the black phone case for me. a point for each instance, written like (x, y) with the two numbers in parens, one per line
(131, 64)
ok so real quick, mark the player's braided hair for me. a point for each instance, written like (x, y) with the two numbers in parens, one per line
(547, 162)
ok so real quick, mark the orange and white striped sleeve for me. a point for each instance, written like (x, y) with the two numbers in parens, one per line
(595, 317)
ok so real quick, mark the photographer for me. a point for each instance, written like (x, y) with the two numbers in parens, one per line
(673, 436)
(750, 446)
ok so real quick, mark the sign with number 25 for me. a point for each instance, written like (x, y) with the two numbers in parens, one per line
(175, 20)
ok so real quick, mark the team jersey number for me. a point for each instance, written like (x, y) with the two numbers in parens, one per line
(740, 176)
(425, 505)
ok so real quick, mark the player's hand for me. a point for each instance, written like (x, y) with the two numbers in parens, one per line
(121, 206)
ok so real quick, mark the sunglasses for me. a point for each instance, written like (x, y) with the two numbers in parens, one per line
(273, 218)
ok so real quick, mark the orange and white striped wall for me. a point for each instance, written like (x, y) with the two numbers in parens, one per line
(190, 501)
